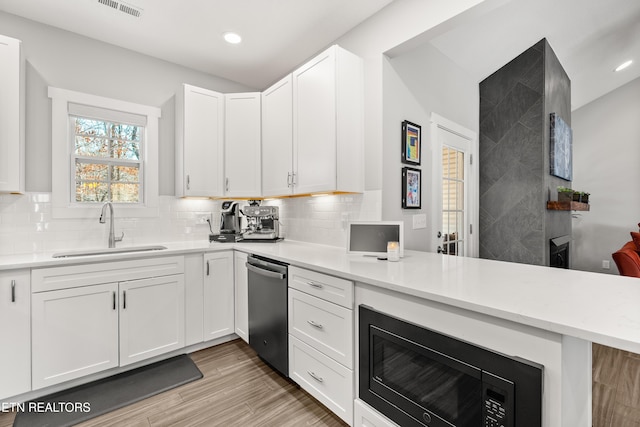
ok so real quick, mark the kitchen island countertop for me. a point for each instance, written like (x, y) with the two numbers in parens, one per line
(591, 306)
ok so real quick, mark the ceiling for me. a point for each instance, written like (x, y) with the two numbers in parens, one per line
(590, 37)
(278, 35)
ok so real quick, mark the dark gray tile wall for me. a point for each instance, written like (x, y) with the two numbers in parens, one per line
(515, 184)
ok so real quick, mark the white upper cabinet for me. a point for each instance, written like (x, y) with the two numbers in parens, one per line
(242, 145)
(327, 142)
(12, 107)
(199, 142)
(277, 138)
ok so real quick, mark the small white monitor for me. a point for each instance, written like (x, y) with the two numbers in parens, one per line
(371, 237)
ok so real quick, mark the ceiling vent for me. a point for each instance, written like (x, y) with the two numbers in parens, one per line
(122, 7)
(110, 3)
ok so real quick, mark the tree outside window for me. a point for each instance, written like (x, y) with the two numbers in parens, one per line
(107, 161)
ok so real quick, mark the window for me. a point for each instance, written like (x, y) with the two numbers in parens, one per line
(103, 150)
(106, 159)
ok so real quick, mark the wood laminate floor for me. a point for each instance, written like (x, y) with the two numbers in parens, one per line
(238, 389)
(616, 387)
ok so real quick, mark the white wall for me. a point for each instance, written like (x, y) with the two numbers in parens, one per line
(66, 60)
(606, 155)
(416, 84)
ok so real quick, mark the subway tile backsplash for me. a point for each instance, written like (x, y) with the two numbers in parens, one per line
(27, 226)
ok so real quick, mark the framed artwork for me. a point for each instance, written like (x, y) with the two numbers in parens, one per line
(411, 188)
(560, 149)
(411, 143)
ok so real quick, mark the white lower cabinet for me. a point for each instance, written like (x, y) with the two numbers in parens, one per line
(151, 317)
(321, 338)
(15, 318)
(75, 333)
(218, 295)
(241, 296)
(322, 377)
(364, 416)
(81, 326)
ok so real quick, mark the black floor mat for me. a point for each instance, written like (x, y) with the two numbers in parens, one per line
(70, 407)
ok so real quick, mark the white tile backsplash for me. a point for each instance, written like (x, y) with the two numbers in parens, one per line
(26, 223)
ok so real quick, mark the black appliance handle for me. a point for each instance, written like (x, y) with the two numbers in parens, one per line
(263, 272)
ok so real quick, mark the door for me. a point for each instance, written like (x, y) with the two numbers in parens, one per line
(456, 184)
(151, 317)
(75, 333)
(15, 316)
(218, 295)
(242, 145)
(277, 138)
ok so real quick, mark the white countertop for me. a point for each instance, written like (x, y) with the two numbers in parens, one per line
(595, 307)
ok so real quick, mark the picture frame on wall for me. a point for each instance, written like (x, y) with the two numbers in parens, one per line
(561, 148)
(411, 143)
(411, 188)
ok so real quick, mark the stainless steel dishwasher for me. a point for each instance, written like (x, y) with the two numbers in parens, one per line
(268, 334)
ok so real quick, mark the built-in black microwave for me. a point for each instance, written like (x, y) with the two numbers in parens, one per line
(418, 377)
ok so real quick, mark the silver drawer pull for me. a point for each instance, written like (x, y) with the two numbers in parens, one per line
(315, 285)
(315, 377)
(315, 325)
(13, 291)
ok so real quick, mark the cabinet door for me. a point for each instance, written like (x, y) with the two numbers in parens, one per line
(199, 142)
(277, 138)
(15, 316)
(314, 124)
(75, 333)
(218, 295)
(12, 143)
(242, 145)
(241, 296)
(151, 317)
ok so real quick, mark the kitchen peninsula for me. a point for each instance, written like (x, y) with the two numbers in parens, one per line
(546, 315)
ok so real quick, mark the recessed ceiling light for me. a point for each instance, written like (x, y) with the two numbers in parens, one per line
(623, 65)
(232, 37)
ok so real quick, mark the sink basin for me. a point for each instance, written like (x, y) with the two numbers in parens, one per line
(107, 251)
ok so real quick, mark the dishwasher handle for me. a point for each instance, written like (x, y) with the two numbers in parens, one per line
(264, 272)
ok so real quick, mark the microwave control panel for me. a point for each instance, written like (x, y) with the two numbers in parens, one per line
(497, 395)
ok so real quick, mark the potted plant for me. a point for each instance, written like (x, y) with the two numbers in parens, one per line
(565, 194)
(585, 197)
(577, 195)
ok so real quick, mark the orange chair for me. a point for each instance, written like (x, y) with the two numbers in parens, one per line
(627, 260)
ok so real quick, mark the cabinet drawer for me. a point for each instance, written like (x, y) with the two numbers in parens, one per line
(324, 326)
(73, 276)
(364, 416)
(333, 289)
(323, 378)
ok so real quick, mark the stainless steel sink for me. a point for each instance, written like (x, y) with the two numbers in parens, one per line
(107, 251)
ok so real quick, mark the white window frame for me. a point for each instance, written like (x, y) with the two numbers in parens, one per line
(63, 177)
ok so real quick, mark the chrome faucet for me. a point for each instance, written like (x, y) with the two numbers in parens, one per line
(112, 236)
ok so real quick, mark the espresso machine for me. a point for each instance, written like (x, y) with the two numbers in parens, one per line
(262, 224)
(230, 227)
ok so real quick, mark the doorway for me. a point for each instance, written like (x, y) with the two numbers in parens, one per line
(456, 187)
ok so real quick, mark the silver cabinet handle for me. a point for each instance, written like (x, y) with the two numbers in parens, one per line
(267, 273)
(288, 179)
(315, 325)
(315, 285)
(124, 300)
(114, 300)
(293, 179)
(207, 267)
(13, 291)
(315, 377)
(188, 182)
(226, 185)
